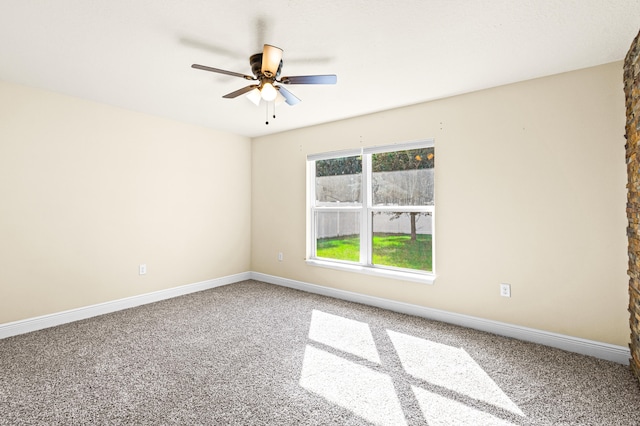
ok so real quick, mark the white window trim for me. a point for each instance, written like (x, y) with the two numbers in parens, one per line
(365, 225)
(423, 278)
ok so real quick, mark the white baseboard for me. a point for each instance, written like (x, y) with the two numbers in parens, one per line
(619, 354)
(51, 320)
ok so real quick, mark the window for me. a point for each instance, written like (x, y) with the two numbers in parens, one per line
(372, 210)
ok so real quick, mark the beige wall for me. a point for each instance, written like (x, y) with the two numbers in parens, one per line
(530, 190)
(88, 192)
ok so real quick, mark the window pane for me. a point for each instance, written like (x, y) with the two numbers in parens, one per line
(403, 240)
(338, 180)
(338, 235)
(403, 178)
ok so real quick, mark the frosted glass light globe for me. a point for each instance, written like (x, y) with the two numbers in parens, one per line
(268, 92)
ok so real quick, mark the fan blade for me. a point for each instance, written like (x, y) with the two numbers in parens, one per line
(240, 91)
(271, 57)
(289, 97)
(219, 71)
(310, 79)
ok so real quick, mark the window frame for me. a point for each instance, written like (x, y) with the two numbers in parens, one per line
(366, 210)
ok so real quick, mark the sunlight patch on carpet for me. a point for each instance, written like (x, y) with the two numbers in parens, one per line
(451, 368)
(441, 411)
(344, 334)
(443, 383)
(365, 392)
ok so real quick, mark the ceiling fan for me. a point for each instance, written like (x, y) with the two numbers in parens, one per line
(266, 68)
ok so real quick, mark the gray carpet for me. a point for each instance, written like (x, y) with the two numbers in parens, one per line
(256, 354)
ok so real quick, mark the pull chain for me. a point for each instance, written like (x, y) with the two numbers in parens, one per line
(267, 112)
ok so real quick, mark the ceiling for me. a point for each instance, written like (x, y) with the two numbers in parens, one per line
(136, 54)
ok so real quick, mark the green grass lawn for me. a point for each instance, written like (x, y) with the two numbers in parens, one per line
(341, 248)
(388, 249)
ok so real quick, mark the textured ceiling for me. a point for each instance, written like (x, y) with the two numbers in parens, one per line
(136, 54)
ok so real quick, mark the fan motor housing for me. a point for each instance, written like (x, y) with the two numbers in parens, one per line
(256, 65)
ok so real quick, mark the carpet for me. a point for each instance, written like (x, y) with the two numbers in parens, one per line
(252, 353)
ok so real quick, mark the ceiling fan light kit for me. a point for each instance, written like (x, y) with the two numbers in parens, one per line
(268, 92)
(266, 68)
(271, 58)
(255, 96)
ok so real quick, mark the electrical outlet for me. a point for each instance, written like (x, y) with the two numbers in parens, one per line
(142, 269)
(280, 257)
(505, 290)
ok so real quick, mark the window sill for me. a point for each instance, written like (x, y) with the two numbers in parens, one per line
(379, 272)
